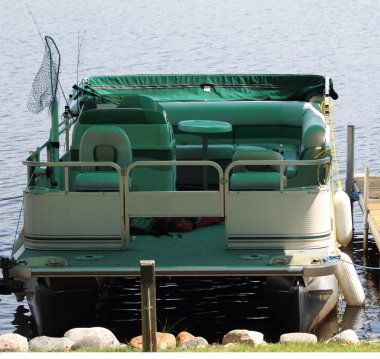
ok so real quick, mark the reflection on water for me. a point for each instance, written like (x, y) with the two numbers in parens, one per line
(208, 307)
(23, 322)
(336, 322)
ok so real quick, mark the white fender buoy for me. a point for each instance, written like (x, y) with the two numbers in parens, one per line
(343, 218)
(349, 282)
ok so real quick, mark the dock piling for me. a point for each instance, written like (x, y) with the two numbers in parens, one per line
(350, 160)
(365, 209)
(148, 305)
(368, 198)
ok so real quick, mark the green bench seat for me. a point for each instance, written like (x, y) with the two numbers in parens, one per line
(256, 180)
(195, 152)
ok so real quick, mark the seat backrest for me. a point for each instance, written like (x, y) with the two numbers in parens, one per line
(105, 143)
(245, 153)
(119, 116)
(139, 101)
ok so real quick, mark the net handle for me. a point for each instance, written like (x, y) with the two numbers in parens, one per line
(53, 87)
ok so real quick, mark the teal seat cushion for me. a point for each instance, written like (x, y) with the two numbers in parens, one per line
(256, 153)
(195, 152)
(97, 181)
(255, 180)
(139, 101)
(120, 116)
(288, 151)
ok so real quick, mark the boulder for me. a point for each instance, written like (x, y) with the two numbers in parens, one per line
(50, 344)
(298, 338)
(91, 342)
(164, 341)
(183, 337)
(197, 342)
(13, 343)
(243, 336)
(345, 337)
(95, 337)
(136, 342)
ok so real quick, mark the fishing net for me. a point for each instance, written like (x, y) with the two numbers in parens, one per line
(44, 88)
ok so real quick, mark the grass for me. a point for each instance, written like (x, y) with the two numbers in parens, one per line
(270, 348)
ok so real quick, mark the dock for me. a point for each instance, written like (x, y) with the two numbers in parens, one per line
(367, 189)
(370, 203)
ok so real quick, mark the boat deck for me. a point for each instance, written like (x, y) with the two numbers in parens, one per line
(373, 203)
(201, 252)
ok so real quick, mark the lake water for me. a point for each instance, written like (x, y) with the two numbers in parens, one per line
(339, 39)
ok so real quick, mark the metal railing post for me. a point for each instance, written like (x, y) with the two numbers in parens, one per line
(148, 305)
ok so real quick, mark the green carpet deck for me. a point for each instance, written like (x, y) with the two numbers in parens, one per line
(200, 252)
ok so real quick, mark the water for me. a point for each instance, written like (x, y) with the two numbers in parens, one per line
(339, 39)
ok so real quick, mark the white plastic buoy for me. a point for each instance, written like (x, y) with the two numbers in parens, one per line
(343, 218)
(349, 281)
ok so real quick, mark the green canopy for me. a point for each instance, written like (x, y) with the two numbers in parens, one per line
(213, 87)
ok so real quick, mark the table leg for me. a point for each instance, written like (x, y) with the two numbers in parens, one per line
(205, 168)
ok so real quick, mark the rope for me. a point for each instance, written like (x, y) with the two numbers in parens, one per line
(326, 107)
(18, 222)
(9, 198)
(354, 264)
(22, 204)
(334, 213)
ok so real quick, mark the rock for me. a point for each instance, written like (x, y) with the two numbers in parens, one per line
(49, 344)
(90, 342)
(95, 337)
(197, 342)
(298, 338)
(136, 342)
(243, 336)
(13, 343)
(345, 337)
(183, 337)
(164, 341)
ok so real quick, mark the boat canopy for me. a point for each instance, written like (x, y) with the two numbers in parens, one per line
(213, 87)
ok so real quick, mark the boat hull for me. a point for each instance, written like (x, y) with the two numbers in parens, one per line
(297, 303)
(300, 303)
(60, 304)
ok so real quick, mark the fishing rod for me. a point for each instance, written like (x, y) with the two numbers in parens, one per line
(42, 39)
(87, 90)
(78, 58)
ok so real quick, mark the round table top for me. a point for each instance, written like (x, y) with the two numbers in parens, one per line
(204, 126)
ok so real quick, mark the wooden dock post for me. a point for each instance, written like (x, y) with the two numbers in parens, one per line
(365, 209)
(350, 161)
(369, 202)
(148, 305)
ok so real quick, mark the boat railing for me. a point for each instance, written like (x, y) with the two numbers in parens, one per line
(282, 164)
(278, 215)
(64, 127)
(161, 203)
(67, 165)
(42, 166)
(198, 203)
(145, 203)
